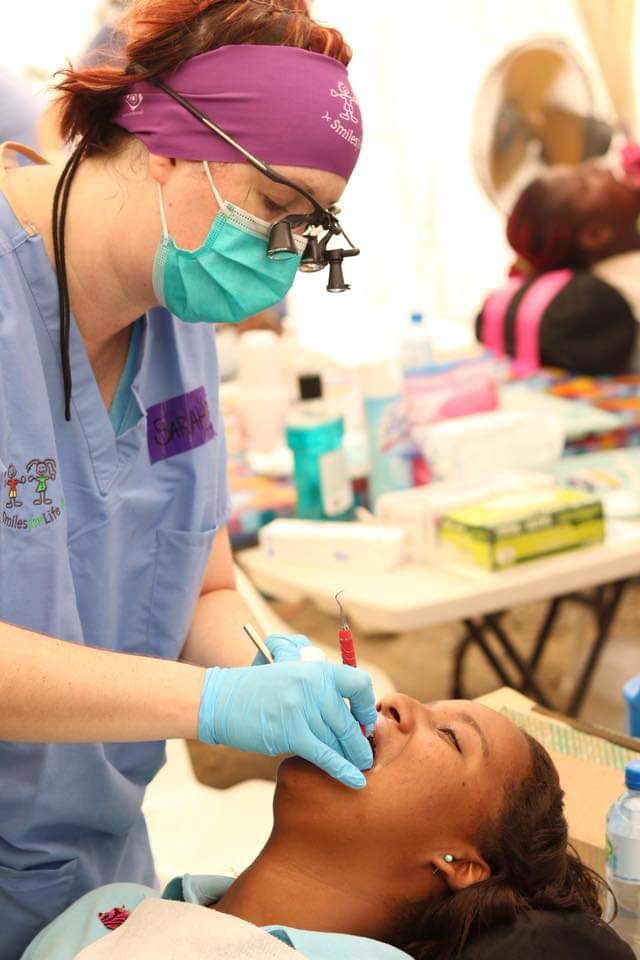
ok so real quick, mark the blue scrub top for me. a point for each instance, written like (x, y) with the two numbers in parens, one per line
(103, 541)
(80, 925)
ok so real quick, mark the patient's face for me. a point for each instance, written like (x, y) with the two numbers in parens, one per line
(439, 775)
(594, 192)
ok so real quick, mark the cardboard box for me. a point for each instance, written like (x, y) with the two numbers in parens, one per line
(508, 529)
(590, 762)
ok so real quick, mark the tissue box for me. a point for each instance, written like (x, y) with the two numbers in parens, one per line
(514, 527)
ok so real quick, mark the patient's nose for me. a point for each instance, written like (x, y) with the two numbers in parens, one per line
(401, 710)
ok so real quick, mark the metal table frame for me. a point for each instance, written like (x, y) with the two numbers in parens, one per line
(489, 635)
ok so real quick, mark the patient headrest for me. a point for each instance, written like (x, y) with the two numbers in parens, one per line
(554, 935)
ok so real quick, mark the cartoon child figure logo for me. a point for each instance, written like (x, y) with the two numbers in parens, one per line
(12, 482)
(348, 100)
(43, 471)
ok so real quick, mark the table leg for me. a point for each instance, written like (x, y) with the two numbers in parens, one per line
(545, 631)
(606, 609)
(475, 635)
(458, 662)
(529, 682)
(606, 604)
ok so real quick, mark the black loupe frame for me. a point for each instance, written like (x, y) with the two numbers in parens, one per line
(316, 256)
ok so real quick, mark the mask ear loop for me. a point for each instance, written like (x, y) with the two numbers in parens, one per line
(215, 190)
(163, 216)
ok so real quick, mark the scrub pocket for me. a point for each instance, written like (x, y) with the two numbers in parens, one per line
(181, 559)
(29, 900)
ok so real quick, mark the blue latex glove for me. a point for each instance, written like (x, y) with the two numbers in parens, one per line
(283, 647)
(293, 708)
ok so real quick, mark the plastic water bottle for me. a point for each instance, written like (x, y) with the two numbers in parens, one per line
(416, 349)
(623, 857)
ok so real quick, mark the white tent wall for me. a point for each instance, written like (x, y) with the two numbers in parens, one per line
(39, 35)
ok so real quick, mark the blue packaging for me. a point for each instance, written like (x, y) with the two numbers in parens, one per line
(390, 449)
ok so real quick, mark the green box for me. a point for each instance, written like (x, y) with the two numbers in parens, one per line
(514, 527)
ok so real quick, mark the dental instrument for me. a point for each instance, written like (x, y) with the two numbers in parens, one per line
(308, 653)
(259, 644)
(348, 650)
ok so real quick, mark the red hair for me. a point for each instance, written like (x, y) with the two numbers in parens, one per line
(159, 35)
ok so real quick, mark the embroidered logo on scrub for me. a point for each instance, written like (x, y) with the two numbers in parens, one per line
(41, 473)
(178, 425)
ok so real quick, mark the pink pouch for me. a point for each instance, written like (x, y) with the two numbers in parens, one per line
(455, 393)
(529, 317)
(493, 315)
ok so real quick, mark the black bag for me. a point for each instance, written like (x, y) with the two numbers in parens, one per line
(564, 318)
(549, 935)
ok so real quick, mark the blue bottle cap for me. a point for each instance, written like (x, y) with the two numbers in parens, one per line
(416, 318)
(632, 775)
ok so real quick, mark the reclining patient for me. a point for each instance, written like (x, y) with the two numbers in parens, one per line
(460, 829)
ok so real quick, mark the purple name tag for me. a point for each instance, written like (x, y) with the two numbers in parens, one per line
(179, 424)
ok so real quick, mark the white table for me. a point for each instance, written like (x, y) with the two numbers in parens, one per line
(414, 596)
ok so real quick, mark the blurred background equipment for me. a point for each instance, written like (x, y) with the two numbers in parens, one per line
(535, 109)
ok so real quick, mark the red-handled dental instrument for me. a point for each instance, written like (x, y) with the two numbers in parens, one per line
(347, 646)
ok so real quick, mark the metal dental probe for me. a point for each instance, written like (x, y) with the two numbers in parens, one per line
(257, 642)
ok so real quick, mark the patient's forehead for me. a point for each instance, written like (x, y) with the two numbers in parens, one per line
(507, 743)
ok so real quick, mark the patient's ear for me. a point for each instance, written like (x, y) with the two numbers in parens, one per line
(466, 868)
(593, 235)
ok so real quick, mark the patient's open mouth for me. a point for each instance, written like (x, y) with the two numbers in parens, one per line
(378, 738)
(372, 744)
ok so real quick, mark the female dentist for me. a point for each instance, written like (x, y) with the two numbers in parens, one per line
(114, 556)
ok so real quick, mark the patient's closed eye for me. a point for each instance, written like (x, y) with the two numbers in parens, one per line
(448, 732)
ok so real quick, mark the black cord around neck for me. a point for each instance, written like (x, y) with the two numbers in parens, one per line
(59, 218)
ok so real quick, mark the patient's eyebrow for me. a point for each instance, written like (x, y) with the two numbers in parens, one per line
(467, 718)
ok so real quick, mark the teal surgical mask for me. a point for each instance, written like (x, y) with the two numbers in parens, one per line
(228, 278)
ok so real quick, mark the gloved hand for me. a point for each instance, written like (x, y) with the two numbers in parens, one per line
(294, 708)
(283, 647)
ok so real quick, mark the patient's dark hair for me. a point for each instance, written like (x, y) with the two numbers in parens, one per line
(532, 868)
(543, 228)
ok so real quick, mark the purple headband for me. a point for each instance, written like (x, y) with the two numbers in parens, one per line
(285, 105)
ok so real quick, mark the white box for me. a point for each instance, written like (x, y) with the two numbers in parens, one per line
(370, 546)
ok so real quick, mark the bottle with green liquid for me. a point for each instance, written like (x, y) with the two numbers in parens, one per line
(315, 434)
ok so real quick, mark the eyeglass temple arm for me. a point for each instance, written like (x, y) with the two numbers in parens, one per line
(253, 160)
